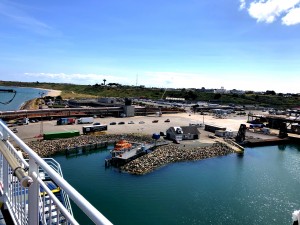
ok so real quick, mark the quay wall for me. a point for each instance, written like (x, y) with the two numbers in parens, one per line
(267, 142)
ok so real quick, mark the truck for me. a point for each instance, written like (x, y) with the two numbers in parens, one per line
(85, 120)
(94, 128)
(65, 121)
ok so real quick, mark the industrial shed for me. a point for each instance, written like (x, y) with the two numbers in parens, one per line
(183, 133)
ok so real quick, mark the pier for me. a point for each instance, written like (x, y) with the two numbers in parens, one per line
(87, 148)
(128, 155)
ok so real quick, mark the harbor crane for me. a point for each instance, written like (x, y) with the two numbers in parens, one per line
(163, 93)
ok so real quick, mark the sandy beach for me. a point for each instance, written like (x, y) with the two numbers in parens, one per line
(51, 92)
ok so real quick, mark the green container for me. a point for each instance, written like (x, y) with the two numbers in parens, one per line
(64, 134)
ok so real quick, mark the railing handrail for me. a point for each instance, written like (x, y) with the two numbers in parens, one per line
(77, 198)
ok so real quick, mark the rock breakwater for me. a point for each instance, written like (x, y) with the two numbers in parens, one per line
(173, 153)
(46, 148)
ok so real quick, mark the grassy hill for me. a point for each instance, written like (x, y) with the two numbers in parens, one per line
(192, 95)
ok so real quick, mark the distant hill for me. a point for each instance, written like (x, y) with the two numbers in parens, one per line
(270, 99)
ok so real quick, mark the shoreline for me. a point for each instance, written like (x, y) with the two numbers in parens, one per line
(51, 92)
(27, 105)
(30, 104)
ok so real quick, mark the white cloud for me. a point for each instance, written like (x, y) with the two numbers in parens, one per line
(269, 10)
(179, 80)
(172, 80)
(76, 78)
(292, 18)
(17, 14)
(242, 4)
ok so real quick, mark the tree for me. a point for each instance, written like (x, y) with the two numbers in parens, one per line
(104, 80)
(191, 95)
(270, 92)
(217, 96)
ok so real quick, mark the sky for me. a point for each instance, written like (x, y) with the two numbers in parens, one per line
(235, 44)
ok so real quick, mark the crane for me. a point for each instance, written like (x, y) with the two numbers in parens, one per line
(163, 93)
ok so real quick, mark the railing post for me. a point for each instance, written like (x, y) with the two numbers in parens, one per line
(5, 180)
(33, 195)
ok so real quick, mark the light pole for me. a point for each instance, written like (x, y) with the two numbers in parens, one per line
(41, 107)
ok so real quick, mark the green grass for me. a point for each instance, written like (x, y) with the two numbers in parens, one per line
(92, 91)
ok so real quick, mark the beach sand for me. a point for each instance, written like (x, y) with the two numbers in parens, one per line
(51, 92)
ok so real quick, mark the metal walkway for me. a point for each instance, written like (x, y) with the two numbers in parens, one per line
(25, 194)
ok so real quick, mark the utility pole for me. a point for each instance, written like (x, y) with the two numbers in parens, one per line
(41, 124)
(41, 127)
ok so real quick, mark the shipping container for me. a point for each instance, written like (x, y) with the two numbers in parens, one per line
(65, 121)
(63, 134)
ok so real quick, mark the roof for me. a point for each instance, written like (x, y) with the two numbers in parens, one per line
(190, 129)
(186, 129)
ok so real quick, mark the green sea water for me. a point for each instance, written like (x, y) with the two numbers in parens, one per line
(261, 187)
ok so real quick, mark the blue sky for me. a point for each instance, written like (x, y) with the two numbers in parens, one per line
(235, 44)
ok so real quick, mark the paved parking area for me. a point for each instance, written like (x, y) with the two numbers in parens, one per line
(133, 125)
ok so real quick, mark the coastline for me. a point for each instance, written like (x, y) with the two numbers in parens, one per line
(31, 104)
(51, 92)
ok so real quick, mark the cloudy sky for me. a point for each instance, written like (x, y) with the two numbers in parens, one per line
(235, 44)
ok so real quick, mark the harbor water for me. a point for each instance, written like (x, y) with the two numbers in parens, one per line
(23, 94)
(260, 187)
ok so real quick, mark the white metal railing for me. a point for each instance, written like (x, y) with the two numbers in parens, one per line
(56, 166)
(21, 185)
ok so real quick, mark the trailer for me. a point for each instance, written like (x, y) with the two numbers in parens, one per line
(85, 120)
(63, 134)
(94, 128)
(65, 121)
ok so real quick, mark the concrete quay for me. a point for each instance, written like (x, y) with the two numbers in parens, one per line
(138, 132)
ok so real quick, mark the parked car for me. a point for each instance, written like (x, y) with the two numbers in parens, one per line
(121, 123)
(155, 121)
(15, 130)
(130, 122)
(167, 120)
(97, 123)
(141, 122)
(113, 123)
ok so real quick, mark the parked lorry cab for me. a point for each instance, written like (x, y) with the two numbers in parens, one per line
(65, 121)
(85, 120)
